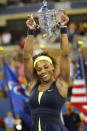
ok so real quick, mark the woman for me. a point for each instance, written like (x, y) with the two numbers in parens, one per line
(48, 94)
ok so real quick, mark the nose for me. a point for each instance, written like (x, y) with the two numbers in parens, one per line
(43, 72)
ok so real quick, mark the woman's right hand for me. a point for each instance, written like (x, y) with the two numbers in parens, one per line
(31, 23)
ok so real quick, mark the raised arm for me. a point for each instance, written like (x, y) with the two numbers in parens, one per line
(64, 60)
(28, 49)
(63, 79)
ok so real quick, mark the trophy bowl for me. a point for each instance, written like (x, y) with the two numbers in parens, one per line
(48, 19)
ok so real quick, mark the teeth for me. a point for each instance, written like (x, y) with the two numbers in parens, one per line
(45, 76)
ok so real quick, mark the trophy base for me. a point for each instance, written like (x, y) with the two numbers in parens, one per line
(49, 34)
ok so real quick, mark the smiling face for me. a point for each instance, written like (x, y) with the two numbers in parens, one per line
(44, 70)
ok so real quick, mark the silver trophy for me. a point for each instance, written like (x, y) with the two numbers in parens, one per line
(48, 19)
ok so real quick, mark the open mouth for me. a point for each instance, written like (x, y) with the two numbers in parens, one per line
(44, 76)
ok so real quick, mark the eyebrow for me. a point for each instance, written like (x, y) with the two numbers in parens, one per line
(43, 65)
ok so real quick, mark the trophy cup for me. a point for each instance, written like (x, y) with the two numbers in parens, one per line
(48, 19)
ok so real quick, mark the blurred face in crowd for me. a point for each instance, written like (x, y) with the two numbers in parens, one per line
(69, 107)
(9, 114)
(72, 25)
(44, 70)
(17, 117)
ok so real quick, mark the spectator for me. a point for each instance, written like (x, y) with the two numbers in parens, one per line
(9, 122)
(1, 124)
(85, 37)
(81, 29)
(18, 123)
(20, 3)
(6, 37)
(21, 43)
(21, 125)
(72, 31)
(71, 118)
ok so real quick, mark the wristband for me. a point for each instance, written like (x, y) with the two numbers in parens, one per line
(31, 32)
(63, 29)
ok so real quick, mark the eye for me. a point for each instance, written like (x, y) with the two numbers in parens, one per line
(39, 69)
(46, 66)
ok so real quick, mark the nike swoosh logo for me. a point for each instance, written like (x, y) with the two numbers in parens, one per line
(50, 90)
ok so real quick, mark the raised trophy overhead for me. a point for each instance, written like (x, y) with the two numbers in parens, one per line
(48, 19)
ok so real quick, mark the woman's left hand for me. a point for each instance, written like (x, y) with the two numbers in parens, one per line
(64, 18)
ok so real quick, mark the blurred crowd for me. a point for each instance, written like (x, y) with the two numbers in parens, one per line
(16, 64)
(5, 3)
(13, 123)
(77, 32)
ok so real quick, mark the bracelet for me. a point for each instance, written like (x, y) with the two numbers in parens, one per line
(31, 32)
(63, 29)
